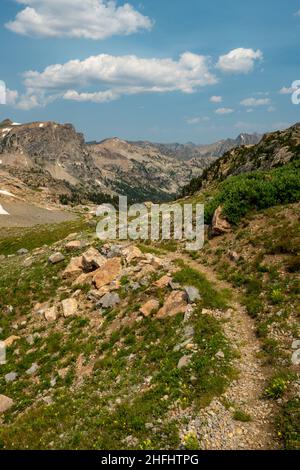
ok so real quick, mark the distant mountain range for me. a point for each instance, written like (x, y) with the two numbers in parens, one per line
(56, 159)
(275, 149)
(190, 150)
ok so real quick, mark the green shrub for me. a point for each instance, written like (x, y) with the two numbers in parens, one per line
(238, 195)
(276, 388)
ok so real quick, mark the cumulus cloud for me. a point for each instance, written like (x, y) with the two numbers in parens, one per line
(287, 90)
(11, 97)
(105, 78)
(224, 111)
(90, 19)
(239, 60)
(254, 102)
(216, 99)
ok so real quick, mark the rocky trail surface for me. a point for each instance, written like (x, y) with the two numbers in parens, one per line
(215, 426)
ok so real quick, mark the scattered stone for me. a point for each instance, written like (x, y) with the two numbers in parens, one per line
(184, 362)
(69, 307)
(27, 262)
(48, 400)
(296, 344)
(131, 253)
(149, 307)
(296, 358)
(108, 273)
(74, 268)
(111, 251)
(11, 377)
(22, 251)
(53, 382)
(30, 340)
(56, 258)
(192, 294)
(84, 278)
(10, 341)
(174, 285)
(74, 245)
(5, 403)
(189, 331)
(219, 224)
(234, 256)
(220, 355)
(50, 314)
(33, 369)
(163, 282)
(110, 300)
(39, 308)
(62, 373)
(135, 286)
(175, 303)
(92, 260)
(146, 271)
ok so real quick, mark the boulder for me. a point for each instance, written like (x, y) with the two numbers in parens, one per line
(149, 307)
(145, 272)
(74, 268)
(110, 300)
(192, 294)
(5, 403)
(84, 278)
(131, 253)
(163, 282)
(56, 258)
(175, 303)
(219, 224)
(108, 272)
(73, 245)
(69, 307)
(92, 260)
(51, 314)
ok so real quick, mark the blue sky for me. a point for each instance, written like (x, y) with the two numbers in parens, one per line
(162, 70)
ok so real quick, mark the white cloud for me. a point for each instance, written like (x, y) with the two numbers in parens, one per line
(286, 90)
(197, 120)
(254, 102)
(216, 99)
(105, 78)
(224, 111)
(97, 97)
(297, 13)
(90, 19)
(193, 121)
(11, 97)
(239, 60)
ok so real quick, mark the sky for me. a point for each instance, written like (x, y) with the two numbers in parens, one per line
(159, 70)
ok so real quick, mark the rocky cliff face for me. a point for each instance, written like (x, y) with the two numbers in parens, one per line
(211, 151)
(47, 154)
(274, 149)
(55, 156)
